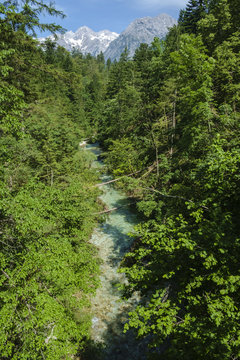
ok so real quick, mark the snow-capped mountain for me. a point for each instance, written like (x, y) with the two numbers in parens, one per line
(112, 44)
(86, 40)
(142, 30)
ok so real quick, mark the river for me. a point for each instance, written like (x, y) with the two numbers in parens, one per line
(112, 241)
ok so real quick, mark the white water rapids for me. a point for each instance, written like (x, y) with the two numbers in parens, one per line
(112, 241)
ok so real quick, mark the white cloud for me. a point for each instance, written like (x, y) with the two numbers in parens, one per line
(158, 4)
(146, 3)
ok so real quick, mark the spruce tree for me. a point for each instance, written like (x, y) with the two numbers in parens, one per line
(195, 11)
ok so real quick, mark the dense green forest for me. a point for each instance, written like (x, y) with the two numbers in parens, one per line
(173, 112)
(171, 115)
(48, 271)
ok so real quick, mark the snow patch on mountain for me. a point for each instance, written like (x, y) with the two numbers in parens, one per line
(85, 40)
(112, 45)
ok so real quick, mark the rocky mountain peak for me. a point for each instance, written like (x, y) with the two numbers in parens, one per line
(141, 30)
(86, 40)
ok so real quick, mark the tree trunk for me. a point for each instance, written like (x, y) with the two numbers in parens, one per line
(51, 177)
(173, 123)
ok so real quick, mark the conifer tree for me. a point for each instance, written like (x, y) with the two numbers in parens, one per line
(195, 11)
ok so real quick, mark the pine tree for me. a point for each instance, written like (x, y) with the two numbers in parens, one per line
(195, 11)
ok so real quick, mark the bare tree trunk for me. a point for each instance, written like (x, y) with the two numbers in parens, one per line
(156, 151)
(111, 181)
(157, 161)
(10, 182)
(173, 123)
(165, 117)
(51, 177)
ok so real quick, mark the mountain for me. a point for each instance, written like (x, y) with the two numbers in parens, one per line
(86, 40)
(142, 30)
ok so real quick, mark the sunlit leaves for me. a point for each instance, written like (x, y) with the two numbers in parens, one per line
(48, 269)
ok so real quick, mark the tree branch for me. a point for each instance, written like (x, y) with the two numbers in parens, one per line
(173, 196)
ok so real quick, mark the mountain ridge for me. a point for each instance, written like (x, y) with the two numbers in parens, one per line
(142, 30)
(112, 44)
(85, 40)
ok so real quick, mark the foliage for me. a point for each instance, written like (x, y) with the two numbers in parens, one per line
(184, 141)
(171, 116)
(48, 268)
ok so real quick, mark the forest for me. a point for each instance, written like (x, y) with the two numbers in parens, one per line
(171, 115)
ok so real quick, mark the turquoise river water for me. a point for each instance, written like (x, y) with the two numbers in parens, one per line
(112, 241)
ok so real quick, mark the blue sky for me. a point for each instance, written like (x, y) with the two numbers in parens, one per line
(114, 15)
